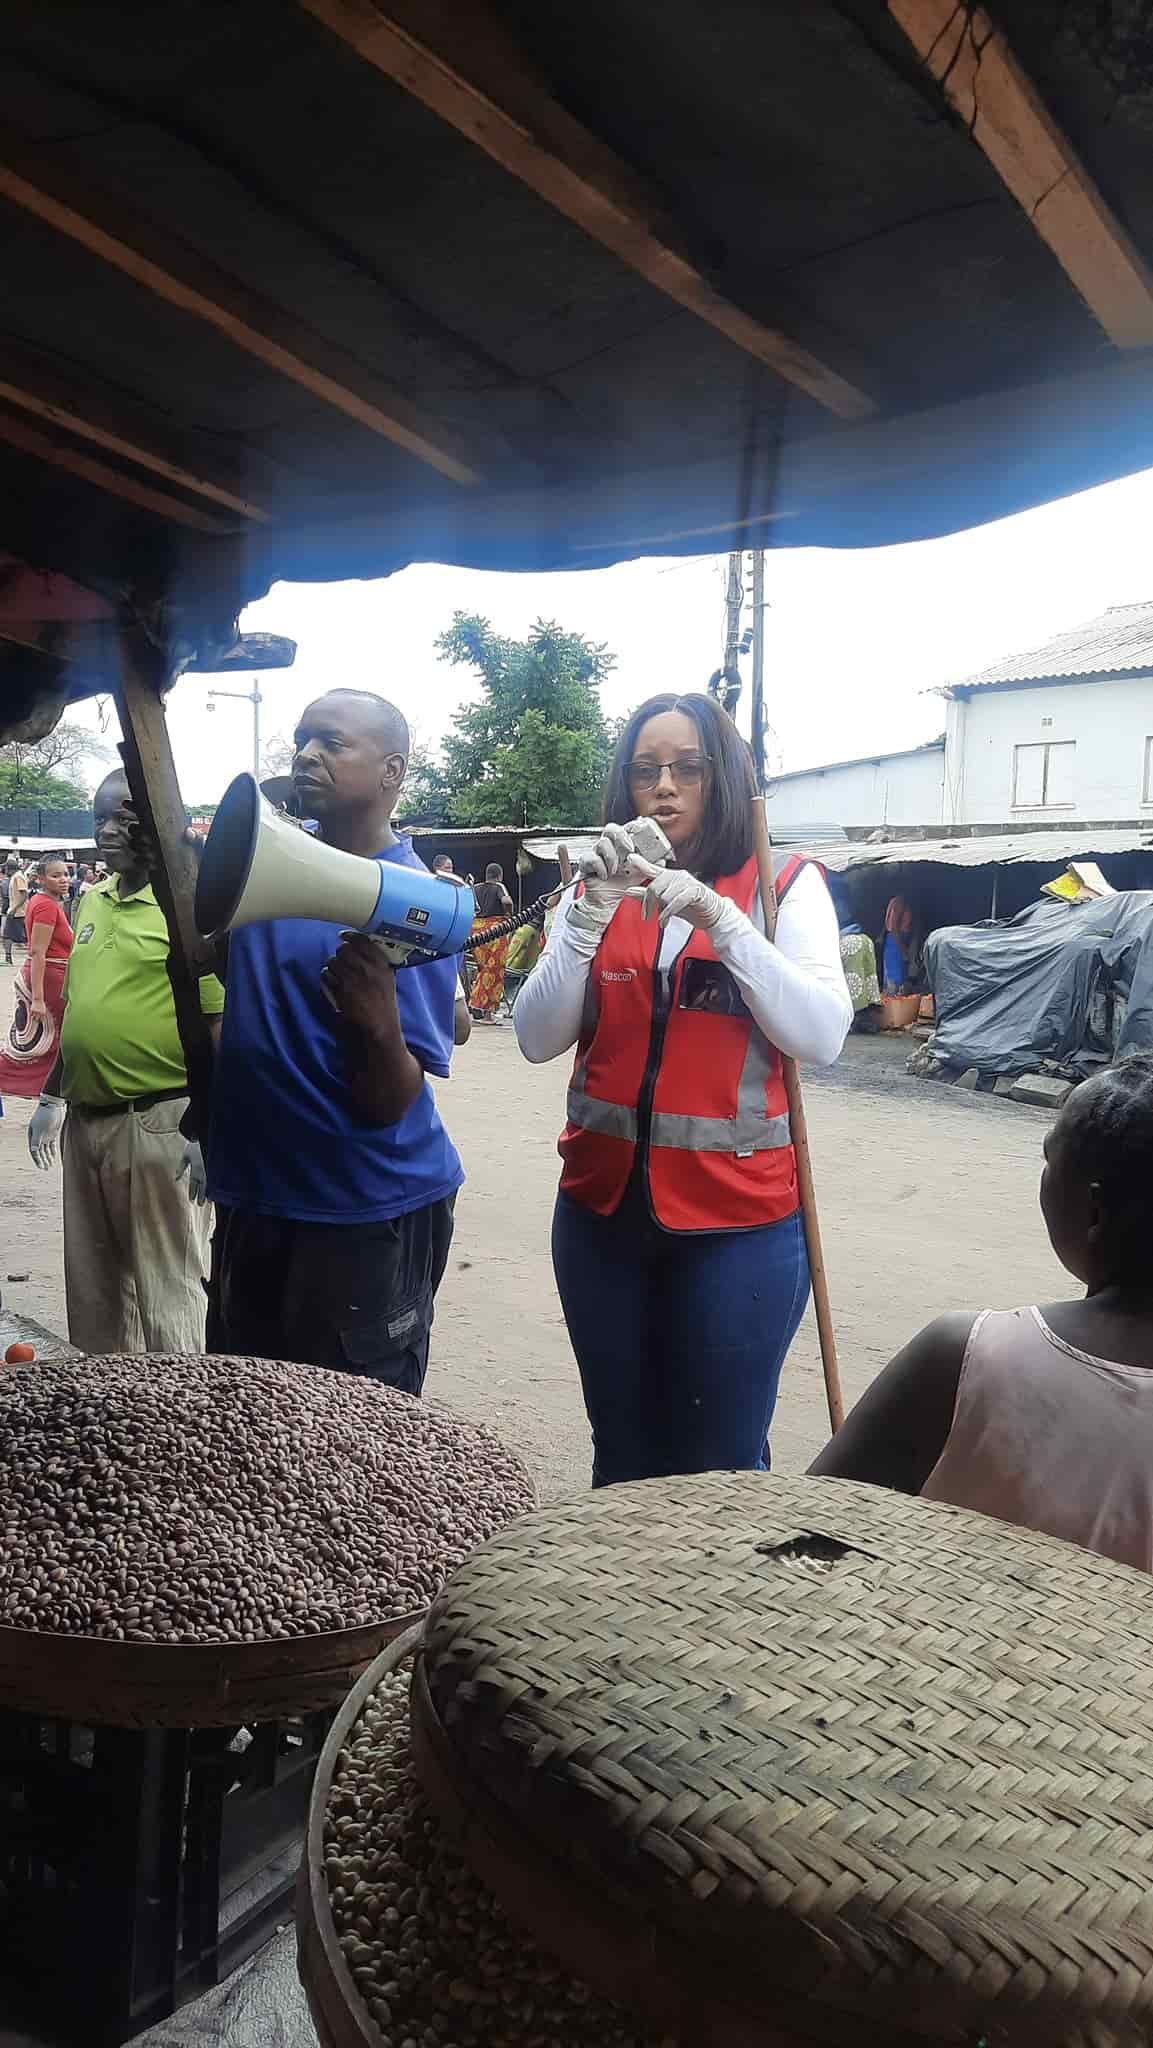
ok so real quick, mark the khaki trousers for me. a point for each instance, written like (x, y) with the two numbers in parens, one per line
(135, 1246)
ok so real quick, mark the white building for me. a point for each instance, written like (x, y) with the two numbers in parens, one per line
(1061, 734)
(905, 789)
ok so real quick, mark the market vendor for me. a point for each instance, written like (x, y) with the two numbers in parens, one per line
(333, 1176)
(135, 1242)
(1043, 1415)
(677, 1239)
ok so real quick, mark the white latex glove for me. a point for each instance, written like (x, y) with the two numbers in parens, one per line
(44, 1130)
(192, 1164)
(607, 876)
(673, 892)
(610, 857)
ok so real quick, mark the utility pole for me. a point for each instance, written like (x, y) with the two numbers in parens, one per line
(725, 682)
(734, 598)
(758, 696)
(254, 698)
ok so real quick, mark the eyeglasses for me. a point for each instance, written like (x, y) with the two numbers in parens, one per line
(686, 771)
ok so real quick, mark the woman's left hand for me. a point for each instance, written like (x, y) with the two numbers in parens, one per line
(38, 1009)
(673, 892)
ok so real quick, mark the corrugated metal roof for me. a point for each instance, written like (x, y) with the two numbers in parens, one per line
(543, 844)
(861, 761)
(32, 842)
(997, 850)
(1118, 642)
(527, 834)
(459, 831)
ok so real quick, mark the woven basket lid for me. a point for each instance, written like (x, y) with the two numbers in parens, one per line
(799, 1761)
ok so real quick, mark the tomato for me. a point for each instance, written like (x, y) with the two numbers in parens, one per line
(20, 1354)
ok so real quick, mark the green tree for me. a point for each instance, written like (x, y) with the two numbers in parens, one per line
(36, 787)
(424, 795)
(47, 772)
(535, 747)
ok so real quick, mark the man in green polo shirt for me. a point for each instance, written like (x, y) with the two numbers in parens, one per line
(135, 1242)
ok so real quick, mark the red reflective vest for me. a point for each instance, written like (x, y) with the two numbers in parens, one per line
(684, 1079)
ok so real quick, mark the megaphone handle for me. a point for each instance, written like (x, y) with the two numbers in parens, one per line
(394, 952)
(396, 955)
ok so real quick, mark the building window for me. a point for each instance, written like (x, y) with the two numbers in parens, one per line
(1147, 784)
(1043, 775)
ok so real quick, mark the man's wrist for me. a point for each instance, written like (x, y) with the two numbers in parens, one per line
(378, 1033)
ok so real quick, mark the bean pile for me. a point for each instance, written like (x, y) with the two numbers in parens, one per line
(432, 1955)
(193, 1499)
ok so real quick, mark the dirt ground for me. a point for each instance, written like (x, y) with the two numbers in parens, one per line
(927, 1196)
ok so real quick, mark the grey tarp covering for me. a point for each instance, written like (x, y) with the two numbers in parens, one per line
(1067, 984)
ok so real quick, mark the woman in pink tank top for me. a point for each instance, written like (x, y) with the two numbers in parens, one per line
(1042, 1416)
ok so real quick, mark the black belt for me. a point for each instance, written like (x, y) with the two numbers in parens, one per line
(132, 1102)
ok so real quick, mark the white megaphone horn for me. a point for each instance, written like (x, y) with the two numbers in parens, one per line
(258, 864)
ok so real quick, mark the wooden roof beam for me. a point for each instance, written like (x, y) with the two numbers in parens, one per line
(64, 399)
(1007, 118)
(21, 434)
(459, 62)
(158, 260)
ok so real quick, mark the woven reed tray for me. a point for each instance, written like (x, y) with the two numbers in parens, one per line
(788, 1762)
(433, 1958)
(184, 1685)
(338, 2011)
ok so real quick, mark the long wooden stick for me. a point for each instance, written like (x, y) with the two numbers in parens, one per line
(155, 793)
(799, 1133)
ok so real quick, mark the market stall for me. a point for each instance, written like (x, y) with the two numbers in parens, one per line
(315, 290)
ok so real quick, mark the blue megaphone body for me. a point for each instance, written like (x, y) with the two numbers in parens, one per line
(258, 864)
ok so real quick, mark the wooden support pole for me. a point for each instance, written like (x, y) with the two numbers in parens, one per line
(799, 1133)
(757, 702)
(155, 792)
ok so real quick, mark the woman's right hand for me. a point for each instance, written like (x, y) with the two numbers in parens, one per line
(606, 880)
(610, 857)
(38, 1009)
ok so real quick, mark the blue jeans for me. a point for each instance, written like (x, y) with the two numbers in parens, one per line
(680, 1337)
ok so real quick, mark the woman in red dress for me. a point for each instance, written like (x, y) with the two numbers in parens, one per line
(28, 1053)
(493, 905)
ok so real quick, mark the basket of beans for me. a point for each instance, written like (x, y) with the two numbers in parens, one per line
(735, 1761)
(195, 1541)
(399, 1942)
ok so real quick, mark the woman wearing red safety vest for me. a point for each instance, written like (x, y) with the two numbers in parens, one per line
(677, 1239)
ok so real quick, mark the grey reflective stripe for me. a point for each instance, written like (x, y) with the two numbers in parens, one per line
(719, 1133)
(750, 1130)
(755, 1076)
(607, 1119)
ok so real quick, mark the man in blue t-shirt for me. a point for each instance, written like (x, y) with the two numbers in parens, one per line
(333, 1176)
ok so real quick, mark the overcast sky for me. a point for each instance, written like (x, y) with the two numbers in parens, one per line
(854, 640)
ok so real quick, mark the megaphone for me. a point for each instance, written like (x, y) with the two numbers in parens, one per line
(258, 864)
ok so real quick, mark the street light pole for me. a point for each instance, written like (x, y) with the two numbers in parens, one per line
(254, 698)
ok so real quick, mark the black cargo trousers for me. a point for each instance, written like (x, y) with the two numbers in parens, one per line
(357, 1297)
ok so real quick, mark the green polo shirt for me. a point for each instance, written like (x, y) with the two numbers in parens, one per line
(120, 1037)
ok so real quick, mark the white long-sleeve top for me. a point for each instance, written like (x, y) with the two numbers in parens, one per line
(794, 985)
